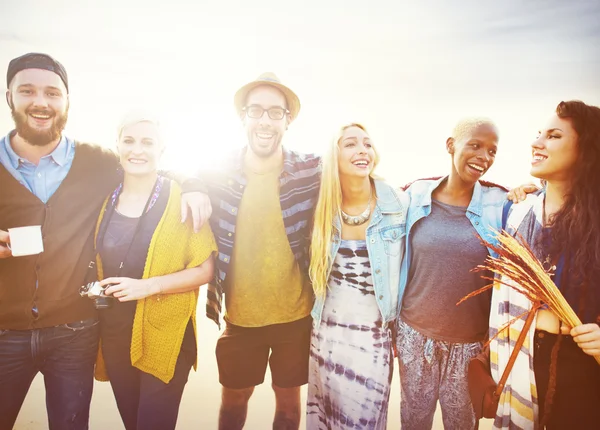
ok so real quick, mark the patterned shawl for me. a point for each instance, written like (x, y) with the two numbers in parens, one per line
(518, 405)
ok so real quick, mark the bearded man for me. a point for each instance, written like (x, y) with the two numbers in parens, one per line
(50, 180)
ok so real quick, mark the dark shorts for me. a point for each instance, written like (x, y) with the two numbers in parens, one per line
(243, 354)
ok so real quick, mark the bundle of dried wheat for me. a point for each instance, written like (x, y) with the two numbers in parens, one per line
(517, 262)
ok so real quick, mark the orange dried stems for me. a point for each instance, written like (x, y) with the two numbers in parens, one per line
(517, 263)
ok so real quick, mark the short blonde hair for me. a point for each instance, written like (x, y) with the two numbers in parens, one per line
(135, 117)
(463, 130)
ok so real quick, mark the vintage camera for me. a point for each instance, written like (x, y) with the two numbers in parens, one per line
(95, 291)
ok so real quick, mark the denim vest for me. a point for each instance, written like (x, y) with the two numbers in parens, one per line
(484, 212)
(385, 246)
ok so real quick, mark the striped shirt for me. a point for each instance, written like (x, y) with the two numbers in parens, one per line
(299, 183)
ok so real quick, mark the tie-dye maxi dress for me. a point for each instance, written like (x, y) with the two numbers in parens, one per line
(351, 358)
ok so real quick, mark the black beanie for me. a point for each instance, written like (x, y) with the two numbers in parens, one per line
(35, 60)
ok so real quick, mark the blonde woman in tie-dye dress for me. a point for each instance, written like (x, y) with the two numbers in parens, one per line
(357, 247)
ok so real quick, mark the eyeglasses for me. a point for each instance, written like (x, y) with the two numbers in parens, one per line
(256, 112)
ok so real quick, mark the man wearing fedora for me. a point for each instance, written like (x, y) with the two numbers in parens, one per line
(263, 201)
(50, 180)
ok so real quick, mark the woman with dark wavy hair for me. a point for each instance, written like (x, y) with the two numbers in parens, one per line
(555, 382)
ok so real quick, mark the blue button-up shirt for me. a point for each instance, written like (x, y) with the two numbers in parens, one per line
(42, 179)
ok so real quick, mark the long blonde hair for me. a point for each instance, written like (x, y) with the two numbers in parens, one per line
(328, 209)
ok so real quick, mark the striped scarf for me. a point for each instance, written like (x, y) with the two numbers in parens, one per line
(518, 405)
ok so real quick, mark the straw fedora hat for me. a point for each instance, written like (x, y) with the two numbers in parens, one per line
(268, 78)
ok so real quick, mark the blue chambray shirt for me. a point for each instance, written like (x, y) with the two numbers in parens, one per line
(44, 179)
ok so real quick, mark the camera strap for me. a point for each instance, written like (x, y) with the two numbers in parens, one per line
(110, 209)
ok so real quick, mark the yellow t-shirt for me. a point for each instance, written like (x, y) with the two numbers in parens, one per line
(265, 285)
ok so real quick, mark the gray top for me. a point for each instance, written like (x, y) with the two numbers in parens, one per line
(114, 248)
(118, 236)
(445, 249)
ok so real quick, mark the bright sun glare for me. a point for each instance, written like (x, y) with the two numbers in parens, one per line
(407, 71)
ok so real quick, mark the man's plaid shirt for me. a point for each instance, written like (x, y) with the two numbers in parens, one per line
(298, 192)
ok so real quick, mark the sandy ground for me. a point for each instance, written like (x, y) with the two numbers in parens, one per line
(201, 399)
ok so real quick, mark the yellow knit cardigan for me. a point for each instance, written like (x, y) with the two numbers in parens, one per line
(160, 321)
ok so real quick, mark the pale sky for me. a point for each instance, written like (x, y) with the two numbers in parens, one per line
(406, 70)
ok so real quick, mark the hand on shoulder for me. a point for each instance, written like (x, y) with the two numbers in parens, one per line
(519, 194)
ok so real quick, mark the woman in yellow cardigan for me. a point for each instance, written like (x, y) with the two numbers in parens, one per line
(152, 265)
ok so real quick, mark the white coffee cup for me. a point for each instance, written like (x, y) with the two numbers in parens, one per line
(26, 240)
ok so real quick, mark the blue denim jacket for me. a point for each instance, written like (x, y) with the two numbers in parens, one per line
(484, 212)
(385, 245)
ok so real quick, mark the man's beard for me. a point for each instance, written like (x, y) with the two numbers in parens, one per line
(40, 137)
